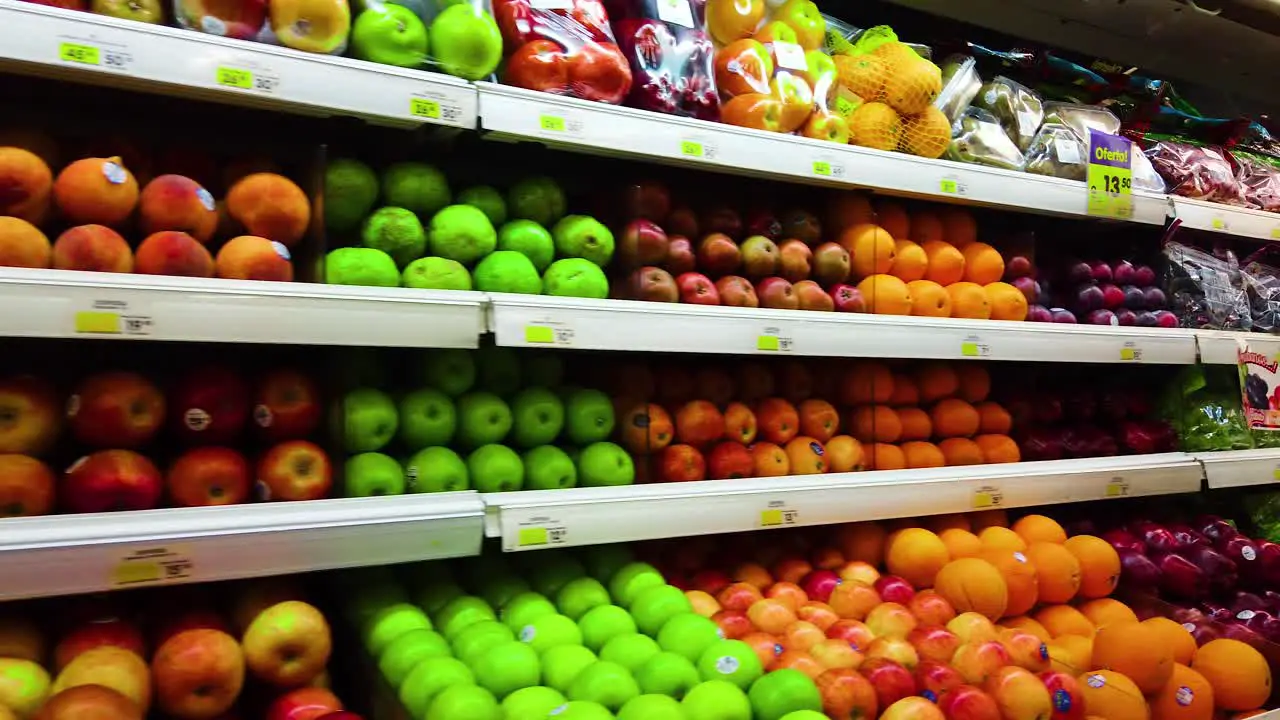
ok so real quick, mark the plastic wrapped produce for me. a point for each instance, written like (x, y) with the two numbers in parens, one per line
(1018, 109)
(1204, 291)
(1262, 287)
(978, 138)
(670, 54)
(1059, 152)
(1081, 118)
(960, 85)
(898, 89)
(1145, 176)
(564, 48)
(1196, 172)
(1259, 180)
(323, 27)
(1204, 406)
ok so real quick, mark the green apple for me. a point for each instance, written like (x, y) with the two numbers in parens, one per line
(507, 271)
(369, 474)
(396, 232)
(452, 372)
(632, 579)
(551, 570)
(652, 707)
(427, 418)
(364, 267)
(477, 638)
(538, 417)
(464, 702)
(373, 597)
(605, 464)
(436, 273)
(603, 561)
(550, 631)
(580, 236)
(805, 715)
(531, 702)
(483, 419)
(499, 369)
(460, 612)
(461, 233)
(687, 633)
(507, 667)
(436, 469)
(631, 651)
(539, 199)
(433, 597)
(495, 468)
(524, 609)
(390, 623)
(562, 663)
(529, 239)
(717, 700)
(575, 277)
(498, 591)
(489, 201)
(588, 417)
(428, 679)
(603, 623)
(369, 420)
(731, 660)
(466, 42)
(667, 674)
(549, 468)
(543, 368)
(604, 682)
(350, 190)
(405, 652)
(781, 692)
(580, 595)
(581, 710)
(416, 187)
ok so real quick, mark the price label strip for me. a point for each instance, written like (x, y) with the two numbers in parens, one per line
(987, 496)
(1117, 487)
(545, 534)
(548, 334)
(245, 79)
(777, 515)
(1110, 176)
(973, 346)
(772, 341)
(152, 566)
(86, 54)
(556, 124)
(697, 150)
(110, 317)
(1131, 352)
(828, 169)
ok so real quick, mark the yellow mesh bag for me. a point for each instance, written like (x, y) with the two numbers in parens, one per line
(875, 125)
(863, 75)
(912, 85)
(926, 134)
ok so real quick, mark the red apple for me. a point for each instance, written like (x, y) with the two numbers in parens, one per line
(935, 678)
(680, 255)
(859, 571)
(209, 406)
(209, 476)
(111, 480)
(718, 255)
(774, 292)
(733, 624)
(846, 694)
(286, 406)
(895, 589)
(294, 470)
(1064, 690)
(30, 415)
(819, 584)
(795, 260)
(641, 243)
(934, 642)
(646, 199)
(736, 291)
(891, 681)
(682, 220)
(116, 410)
(812, 297)
(652, 284)
(968, 703)
(852, 631)
(305, 703)
(848, 298)
(697, 289)
(730, 460)
(113, 632)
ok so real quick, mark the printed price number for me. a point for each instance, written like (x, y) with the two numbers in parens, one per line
(148, 567)
(1117, 487)
(695, 149)
(775, 517)
(98, 322)
(987, 496)
(822, 168)
(974, 347)
(77, 53)
(423, 108)
(548, 335)
(534, 536)
(1116, 183)
(552, 123)
(245, 79)
(952, 186)
(771, 341)
(1131, 353)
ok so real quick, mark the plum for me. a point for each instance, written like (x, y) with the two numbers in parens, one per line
(1103, 317)
(1166, 319)
(1144, 276)
(1029, 288)
(1123, 273)
(1154, 298)
(1147, 319)
(1100, 271)
(1039, 313)
(1079, 272)
(1126, 317)
(1018, 266)
(1061, 315)
(1134, 299)
(1088, 298)
(1112, 296)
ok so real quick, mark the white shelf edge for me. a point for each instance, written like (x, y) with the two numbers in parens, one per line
(588, 516)
(1240, 468)
(48, 303)
(1227, 219)
(159, 58)
(1221, 347)
(95, 552)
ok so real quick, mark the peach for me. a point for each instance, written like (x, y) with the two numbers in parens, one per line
(25, 181)
(249, 257)
(270, 206)
(1028, 625)
(699, 423)
(802, 636)
(800, 660)
(978, 661)
(972, 627)
(753, 574)
(788, 593)
(912, 708)
(930, 608)
(896, 649)
(833, 653)
(22, 244)
(853, 600)
(739, 596)
(765, 646)
(173, 253)
(792, 569)
(852, 631)
(934, 642)
(95, 248)
(818, 613)
(827, 558)
(174, 202)
(891, 620)
(96, 191)
(770, 615)
(733, 624)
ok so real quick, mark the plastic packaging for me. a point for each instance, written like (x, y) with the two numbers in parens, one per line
(1259, 181)
(323, 27)
(979, 138)
(1058, 151)
(1018, 109)
(1262, 287)
(1205, 292)
(898, 89)
(670, 54)
(1145, 176)
(563, 47)
(960, 85)
(1196, 172)
(1081, 118)
(1204, 405)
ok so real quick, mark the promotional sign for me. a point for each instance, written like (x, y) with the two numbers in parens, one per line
(1110, 176)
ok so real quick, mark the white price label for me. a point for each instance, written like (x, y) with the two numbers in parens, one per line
(540, 531)
(676, 12)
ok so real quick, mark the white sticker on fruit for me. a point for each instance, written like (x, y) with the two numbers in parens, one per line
(676, 12)
(1245, 615)
(727, 665)
(790, 55)
(1096, 681)
(210, 25)
(560, 710)
(1189, 627)
(528, 633)
(281, 250)
(1019, 556)
(1248, 553)
(1183, 696)
(196, 419)
(114, 173)
(206, 199)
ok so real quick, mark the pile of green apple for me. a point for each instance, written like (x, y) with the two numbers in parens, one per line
(588, 636)
(493, 420)
(423, 236)
(460, 38)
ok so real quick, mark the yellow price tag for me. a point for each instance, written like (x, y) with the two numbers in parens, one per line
(1275, 474)
(1218, 224)
(1275, 233)
(539, 334)
(83, 54)
(969, 349)
(531, 536)
(767, 343)
(1117, 488)
(769, 518)
(152, 566)
(95, 321)
(136, 572)
(949, 186)
(552, 123)
(424, 108)
(1126, 353)
(235, 77)
(982, 500)
(690, 148)
(822, 168)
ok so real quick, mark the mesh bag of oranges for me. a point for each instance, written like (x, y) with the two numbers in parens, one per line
(895, 88)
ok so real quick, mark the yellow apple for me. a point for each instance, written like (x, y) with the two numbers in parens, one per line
(288, 644)
(24, 686)
(111, 667)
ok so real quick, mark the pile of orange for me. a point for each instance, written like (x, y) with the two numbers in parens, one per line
(925, 263)
(926, 415)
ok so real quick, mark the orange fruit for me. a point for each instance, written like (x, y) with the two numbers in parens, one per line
(905, 392)
(1070, 654)
(1107, 611)
(875, 423)
(1062, 620)
(1099, 565)
(910, 262)
(1038, 528)
(893, 218)
(862, 542)
(845, 454)
(885, 295)
(929, 299)
(871, 249)
(998, 449)
(973, 585)
(1007, 302)
(982, 263)
(922, 455)
(953, 417)
(875, 125)
(969, 300)
(916, 555)
(946, 263)
(975, 381)
(926, 134)
(1239, 674)
(915, 423)
(1187, 696)
(1112, 696)
(864, 75)
(936, 380)
(1135, 651)
(866, 383)
(1025, 624)
(960, 542)
(1001, 538)
(961, 451)
(847, 209)
(993, 418)
(887, 457)
(1058, 570)
(925, 226)
(958, 226)
(1019, 574)
(989, 518)
(1175, 637)
(913, 83)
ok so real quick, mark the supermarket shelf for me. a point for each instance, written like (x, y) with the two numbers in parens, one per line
(1220, 347)
(62, 555)
(1241, 468)
(536, 321)
(67, 304)
(74, 45)
(588, 516)
(1241, 222)
(517, 114)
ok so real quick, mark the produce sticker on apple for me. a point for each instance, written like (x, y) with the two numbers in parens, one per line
(1260, 388)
